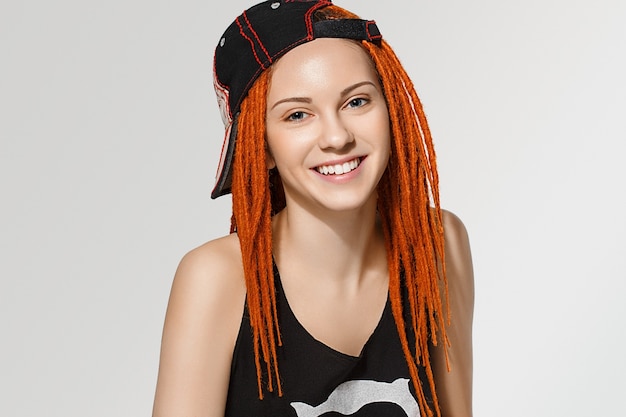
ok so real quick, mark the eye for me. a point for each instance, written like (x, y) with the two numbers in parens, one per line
(357, 102)
(297, 116)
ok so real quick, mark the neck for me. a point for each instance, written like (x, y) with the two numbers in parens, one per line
(344, 247)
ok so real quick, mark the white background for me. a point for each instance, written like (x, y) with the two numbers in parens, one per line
(109, 139)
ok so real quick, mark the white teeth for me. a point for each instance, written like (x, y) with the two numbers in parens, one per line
(339, 168)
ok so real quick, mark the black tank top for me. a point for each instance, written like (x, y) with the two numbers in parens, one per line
(320, 381)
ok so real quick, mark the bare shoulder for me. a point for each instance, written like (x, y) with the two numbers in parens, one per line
(201, 326)
(454, 387)
(459, 268)
(458, 253)
(215, 264)
(457, 239)
(209, 279)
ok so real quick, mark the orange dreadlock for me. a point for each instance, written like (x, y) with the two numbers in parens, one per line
(252, 221)
(408, 205)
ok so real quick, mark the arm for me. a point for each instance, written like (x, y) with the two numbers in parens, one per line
(201, 325)
(454, 388)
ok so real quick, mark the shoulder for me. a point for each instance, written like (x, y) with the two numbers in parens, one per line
(209, 289)
(459, 267)
(457, 246)
(454, 227)
(211, 274)
(454, 386)
(201, 327)
(215, 263)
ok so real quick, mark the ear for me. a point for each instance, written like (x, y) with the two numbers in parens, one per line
(269, 159)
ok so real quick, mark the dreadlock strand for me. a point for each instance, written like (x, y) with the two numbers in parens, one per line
(252, 219)
(411, 225)
(395, 295)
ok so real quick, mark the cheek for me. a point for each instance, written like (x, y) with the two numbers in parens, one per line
(384, 135)
(277, 150)
(286, 147)
(380, 127)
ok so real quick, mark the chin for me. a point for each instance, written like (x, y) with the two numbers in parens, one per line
(346, 201)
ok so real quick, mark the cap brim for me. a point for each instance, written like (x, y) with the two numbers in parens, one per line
(224, 170)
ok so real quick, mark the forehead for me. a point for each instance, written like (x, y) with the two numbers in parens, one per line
(324, 61)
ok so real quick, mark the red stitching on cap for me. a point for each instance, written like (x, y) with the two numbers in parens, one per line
(291, 46)
(307, 17)
(367, 29)
(249, 85)
(215, 72)
(251, 43)
(245, 16)
(217, 84)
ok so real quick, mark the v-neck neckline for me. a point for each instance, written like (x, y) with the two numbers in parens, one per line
(282, 298)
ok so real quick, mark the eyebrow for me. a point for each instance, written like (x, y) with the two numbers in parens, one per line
(347, 90)
(292, 100)
(343, 93)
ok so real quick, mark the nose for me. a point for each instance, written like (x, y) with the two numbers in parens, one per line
(335, 134)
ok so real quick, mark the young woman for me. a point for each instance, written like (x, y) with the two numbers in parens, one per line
(343, 288)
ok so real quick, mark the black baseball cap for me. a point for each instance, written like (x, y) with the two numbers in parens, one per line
(252, 43)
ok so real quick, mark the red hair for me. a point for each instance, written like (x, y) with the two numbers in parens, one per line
(408, 206)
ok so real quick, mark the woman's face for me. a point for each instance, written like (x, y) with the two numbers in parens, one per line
(327, 125)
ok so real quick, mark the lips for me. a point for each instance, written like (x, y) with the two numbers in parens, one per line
(339, 169)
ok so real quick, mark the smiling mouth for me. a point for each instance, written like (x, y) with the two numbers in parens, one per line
(339, 169)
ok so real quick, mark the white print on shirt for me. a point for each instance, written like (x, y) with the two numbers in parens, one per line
(351, 396)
